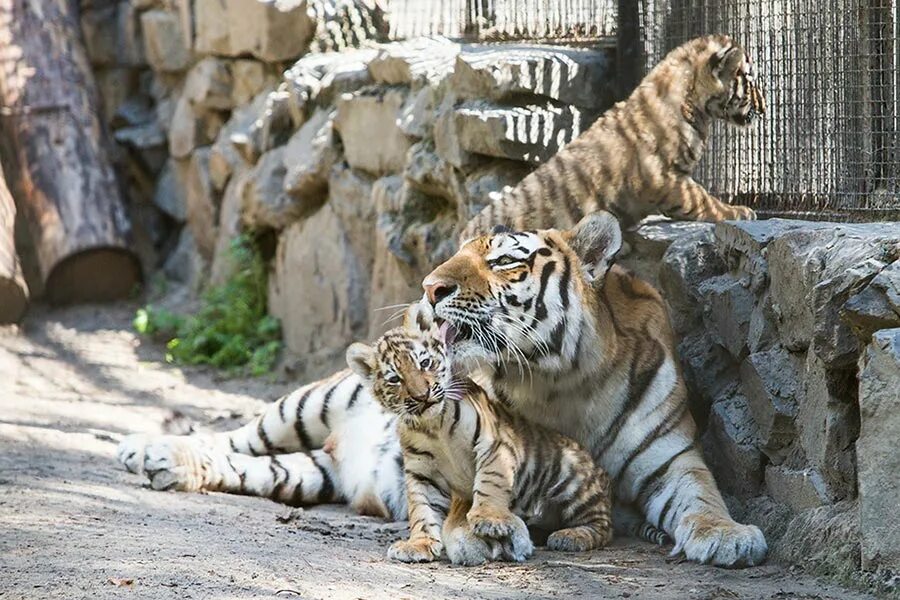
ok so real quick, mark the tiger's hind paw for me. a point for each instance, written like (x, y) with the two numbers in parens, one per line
(720, 542)
(176, 462)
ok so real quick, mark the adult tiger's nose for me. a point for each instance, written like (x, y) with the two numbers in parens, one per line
(437, 290)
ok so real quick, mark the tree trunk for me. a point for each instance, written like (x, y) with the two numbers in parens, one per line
(52, 144)
(13, 291)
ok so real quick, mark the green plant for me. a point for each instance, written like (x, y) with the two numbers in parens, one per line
(231, 330)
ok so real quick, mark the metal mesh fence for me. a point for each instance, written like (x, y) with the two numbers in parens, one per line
(828, 146)
(556, 20)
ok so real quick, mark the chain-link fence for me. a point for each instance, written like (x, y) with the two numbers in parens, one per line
(829, 146)
(576, 21)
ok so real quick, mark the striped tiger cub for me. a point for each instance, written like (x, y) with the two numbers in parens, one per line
(636, 160)
(472, 467)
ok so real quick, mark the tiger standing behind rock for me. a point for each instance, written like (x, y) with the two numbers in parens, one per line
(459, 445)
(636, 160)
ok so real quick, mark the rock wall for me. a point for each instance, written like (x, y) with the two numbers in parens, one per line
(362, 164)
(789, 343)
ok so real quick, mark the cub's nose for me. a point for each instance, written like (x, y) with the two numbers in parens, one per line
(437, 290)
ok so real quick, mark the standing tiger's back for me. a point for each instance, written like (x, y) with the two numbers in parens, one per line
(636, 160)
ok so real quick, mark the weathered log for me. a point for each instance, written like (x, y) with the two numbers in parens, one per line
(52, 145)
(13, 291)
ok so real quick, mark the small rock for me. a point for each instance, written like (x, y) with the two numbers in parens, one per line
(798, 489)
(876, 448)
(322, 78)
(112, 36)
(726, 312)
(372, 114)
(770, 382)
(428, 173)
(877, 305)
(417, 114)
(171, 190)
(265, 203)
(828, 424)
(209, 85)
(447, 142)
(184, 264)
(202, 208)
(211, 27)
(164, 41)
(731, 447)
(271, 128)
(249, 78)
(762, 332)
(584, 78)
(709, 372)
(224, 158)
(308, 157)
(222, 266)
(687, 262)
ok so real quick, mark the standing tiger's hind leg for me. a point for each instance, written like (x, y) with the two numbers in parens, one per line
(685, 199)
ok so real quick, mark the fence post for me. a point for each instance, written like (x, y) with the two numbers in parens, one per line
(630, 59)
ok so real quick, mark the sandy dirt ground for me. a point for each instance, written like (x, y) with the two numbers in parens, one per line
(74, 524)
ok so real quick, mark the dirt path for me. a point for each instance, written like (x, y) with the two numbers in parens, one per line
(74, 524)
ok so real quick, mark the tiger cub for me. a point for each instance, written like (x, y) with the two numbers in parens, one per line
(495, 467)
(636, 159)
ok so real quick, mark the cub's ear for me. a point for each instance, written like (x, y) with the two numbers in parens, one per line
(725, 63)
(596, 239)
(419, 317)
(361, 360)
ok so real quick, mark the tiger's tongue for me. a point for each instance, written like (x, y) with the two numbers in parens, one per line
(448, 334)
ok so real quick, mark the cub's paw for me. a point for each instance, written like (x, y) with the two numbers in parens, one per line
(415, 551)
(577, 539)
(175, 462)
(517, 546)
(465, 548)
(720, 542)
(743, 213)
(492, 522)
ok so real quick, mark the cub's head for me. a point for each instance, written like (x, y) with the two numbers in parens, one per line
(524, 297)
(727, 82)
(408, 369)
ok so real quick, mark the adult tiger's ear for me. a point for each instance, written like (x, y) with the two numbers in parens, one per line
(362, 361)
(596, 239)
(726, 62)
(419, 316)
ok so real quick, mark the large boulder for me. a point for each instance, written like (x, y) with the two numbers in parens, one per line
(730, 444)
(423, 61)
(202, 209)
(728, 304)
(272, 30)
(573, 76)
(688, 262)
(879, 461)
(209, 85)
(813, 271)
(527, 132)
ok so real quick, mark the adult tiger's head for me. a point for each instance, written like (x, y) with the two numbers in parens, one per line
(521, 298)
(726, 86)
(408, 369)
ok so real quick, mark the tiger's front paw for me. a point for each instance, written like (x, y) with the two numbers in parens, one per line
(176, 462)
(467, 549)
(517, 546)
(415, 551)
(742, 213)
(720, 542)
(492, 522)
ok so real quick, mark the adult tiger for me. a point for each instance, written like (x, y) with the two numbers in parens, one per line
(636, 159)
(569, 342)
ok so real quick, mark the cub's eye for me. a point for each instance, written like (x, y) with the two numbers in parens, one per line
(392, 379)
(426, 362)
